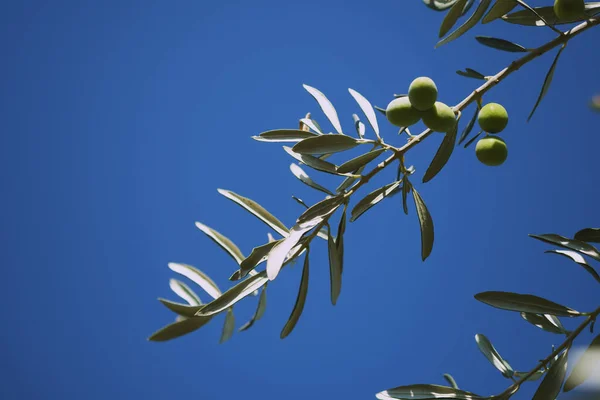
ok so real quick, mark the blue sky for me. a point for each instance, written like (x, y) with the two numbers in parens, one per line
(121, 119)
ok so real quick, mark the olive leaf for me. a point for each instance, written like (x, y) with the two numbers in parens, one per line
(198, 277)
(223, 242)
(228, 326)
(577, 258)
(536, 375)
(547, 322)
(426, 392)
(339, 240)
(469, 126)
(552, 382)
(260, 310)
(326, 106)
(346, 183)
(184, 310)
(283, 135)
(257, 256)
(322, 209)
(571, 244)
(501, 44)
(300, 300)
(367, 109)
(304, 178)
(470, 23)
(371, 199)
(325, 144)
(524, 303)
(357, 162)
(313, 162)
(426, 224)
(442, 155)
(488, 350)
(547, 82)
(474, 138)
(471, 73)
(406, 188)
(335, 269)
(584, 366)
(182, 290)
(381, 110)
(588, 235)
(312, 124)
(179, 328)
(359, 126)
(500, 8)
(451, 17)
(527, 18)
(257, 210)
(450, 379)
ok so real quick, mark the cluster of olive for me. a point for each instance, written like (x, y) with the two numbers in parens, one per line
(491, 150)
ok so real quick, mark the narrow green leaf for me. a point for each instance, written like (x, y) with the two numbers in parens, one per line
(326, 106)
(367, 109)
(426, 223)
(547, 82)
(223, 242)
(474, 138)
(524, 303)
(304, 178)
(325, 144)
(182, 290)
(536, 375)
(313, 162)
(322, 209)
(500, 8)
(584, 366)
(527, 18)
(381, 110)
(312, 124)
(359, 126)
(490, 352)
(198, 277)
(426, 392)
(300, 300)
(349, 181)
(547, 322)
(501, 44)
(354, 164)
(335, 271)
(588, 235)
(470, 23)
(184, 310)
(552, 382)
(406, 188)
(257, 210)
(571, 244)
(471, 73)
(371, 199)
(179, 328)
(442, 155)
(260, 310)
(228, 326)
(257, 256)
(234, 294)
(451, 381)
(578, 258)
(339, 240)
(451, 17)
(283, 135)
(469, 126)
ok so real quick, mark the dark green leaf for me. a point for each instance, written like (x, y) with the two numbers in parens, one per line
(442, 155)
(571, 244)
(547, 82)
(451, 17)
(426, 392)
(198, 277)
(588, 235)
(367, 109)
(406, 188)
(470, 23)
(371, 199)
(184, 310)
(260, 310)
(578, 258)
(283, 135)
(488, 350)
(426, 223)
(354, 164)
(584, 367)
(300, 300)
(346, 183)
(313, 162)
(549, 323)
(325, 144)
(322, 209)
(501, 44)
(451, 381)
(223, 242)
(469, 126)
(258, 255)
(471, 73)
(550, 386)
(326, 106)
(474, 138)
(335, 269)
(304, 178)
(536, 375)
(257, 210)
(527, 18)
(179, 329)
(524, 303)
(500, 8)
(228, 326)
(339, 241)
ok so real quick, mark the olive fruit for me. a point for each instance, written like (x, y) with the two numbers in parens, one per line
(492, 118)
(491, 151)
(439, 118)
(422, 93)
(569, 9)
(401, 113)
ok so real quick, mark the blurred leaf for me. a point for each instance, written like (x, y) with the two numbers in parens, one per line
(359, 126)
(571, 244)
(474, 138)
(470, 23)
(488, 350)
(257, 256)
(547, 82)
(182, 290)
(381, 110)
(325, 144)
(426, 223)
(283, 135)
(578, 258)
(228, 326)
(527, 18)
(260, 310)
(451, 17)
(451, 381)
(178, 329)
(304, 178)
(500, 8)
(223, 242)
(366, 108)
(198, 277)
(524, 303)
(234, 294)
(550, 386)
(588, 235)
(547, 322)
(584, 367)
(184, 310)
(312, 124)
(300, 300)
(426, 392)
(442, 5)
(352, 165)
(371, 199)
(257, 210)
(442, 155)
(501, 44)
(335, 271)
(536, 375)
(326, 106)
(471, 73)
(469, 126)
(313, 162)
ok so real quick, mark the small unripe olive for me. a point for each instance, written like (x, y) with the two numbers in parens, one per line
(401, 113)
(493, 118)
(569, 9)
(439, 118)
(491, 151)
(422, 93)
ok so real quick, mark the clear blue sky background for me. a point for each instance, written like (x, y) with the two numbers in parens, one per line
(120, 119)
